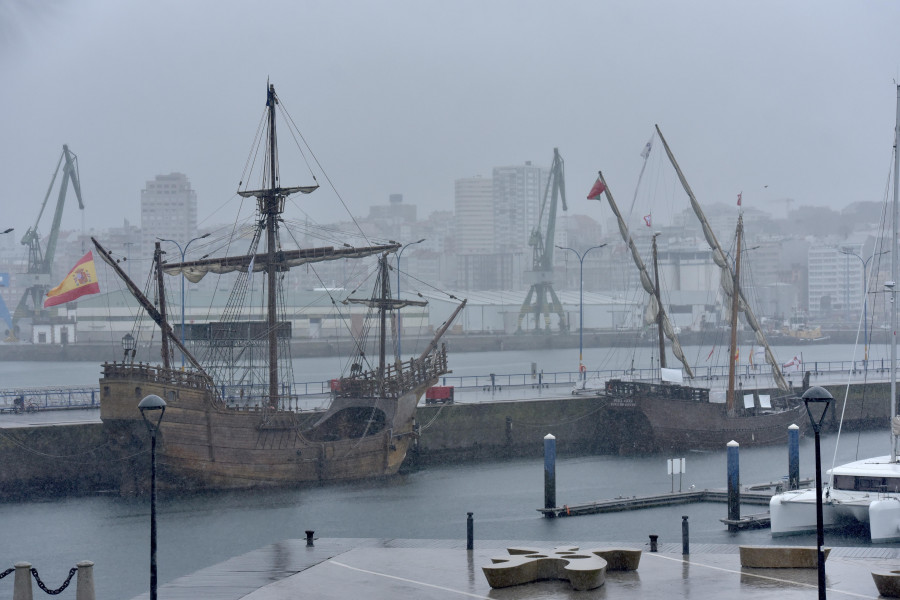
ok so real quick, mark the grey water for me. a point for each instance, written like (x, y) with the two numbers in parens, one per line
(196, 531)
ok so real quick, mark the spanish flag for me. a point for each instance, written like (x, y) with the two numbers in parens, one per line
(80, 281)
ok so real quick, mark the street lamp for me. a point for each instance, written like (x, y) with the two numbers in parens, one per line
(865, 264)
(128, 345)
(817, 401)
(149, 407)
(581, 303)
(399, 324)
(183, 252)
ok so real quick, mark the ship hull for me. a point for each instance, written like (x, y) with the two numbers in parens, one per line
(683, 418)
(204, 444)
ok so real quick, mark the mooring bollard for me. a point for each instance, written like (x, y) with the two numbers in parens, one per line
(470, 532)
(22, 582)
(685, 536)
(84, 586)
(549, 473)
(309, 537)
(734, 482)
(653, 539)
(793, 457)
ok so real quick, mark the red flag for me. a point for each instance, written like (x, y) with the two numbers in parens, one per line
(739, 198)
(598, 189)
(647, 220)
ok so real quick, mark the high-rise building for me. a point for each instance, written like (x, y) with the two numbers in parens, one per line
(168, 210)
(517, 194)
(474, 214)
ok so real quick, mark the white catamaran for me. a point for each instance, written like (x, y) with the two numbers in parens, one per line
(865, 491)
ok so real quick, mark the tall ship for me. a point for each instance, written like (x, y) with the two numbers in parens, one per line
(231, 420)
(683, 416)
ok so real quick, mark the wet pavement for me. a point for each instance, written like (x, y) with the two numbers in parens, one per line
(444, 569)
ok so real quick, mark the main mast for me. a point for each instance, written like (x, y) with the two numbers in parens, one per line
(735, 308)
(895, 274)
(271, 205)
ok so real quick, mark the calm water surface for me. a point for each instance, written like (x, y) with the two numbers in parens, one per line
(200, 530)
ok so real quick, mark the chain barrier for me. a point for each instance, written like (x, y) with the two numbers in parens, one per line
(65, 584)
(6, 572)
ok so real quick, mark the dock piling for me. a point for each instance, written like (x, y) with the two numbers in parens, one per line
(22, 582)
(685, 537)
(84, 587)
(653, 539)
(549, 472)
(309, 537)
(470, 532)
(734, 483)
(793, 457)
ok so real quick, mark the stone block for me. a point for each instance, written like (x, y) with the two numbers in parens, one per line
(781, 557)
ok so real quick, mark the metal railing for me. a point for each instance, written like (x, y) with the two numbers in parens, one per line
(759, 376)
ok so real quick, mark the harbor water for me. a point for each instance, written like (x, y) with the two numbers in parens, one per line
(199, 530)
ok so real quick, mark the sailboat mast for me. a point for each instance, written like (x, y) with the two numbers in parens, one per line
(161, 293)
(659, 313)
(272, 202)
(735, 307)
(895, 275)
(382, 310)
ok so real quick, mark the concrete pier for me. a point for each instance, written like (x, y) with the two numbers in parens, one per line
(443, 569)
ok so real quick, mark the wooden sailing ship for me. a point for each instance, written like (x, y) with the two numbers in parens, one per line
(258, 437)
(682, 416)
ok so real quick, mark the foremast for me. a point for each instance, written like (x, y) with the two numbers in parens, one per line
(646, 282)
(720, 260)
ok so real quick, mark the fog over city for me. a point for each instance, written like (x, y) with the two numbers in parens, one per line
(777, 100)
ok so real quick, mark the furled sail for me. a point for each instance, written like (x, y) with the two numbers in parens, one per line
(653, 307)
(721, 260)
(195, 270)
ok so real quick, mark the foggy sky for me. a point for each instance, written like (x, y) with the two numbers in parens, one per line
(408, 96)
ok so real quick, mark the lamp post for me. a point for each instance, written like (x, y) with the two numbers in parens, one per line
(183, 252)
(149, 407)
(818, 399)
(399, 324)
(865, 264)
(128, 345)
(581, 302)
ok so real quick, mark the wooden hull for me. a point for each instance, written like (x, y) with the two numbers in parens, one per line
(204, 444)
(681, 419)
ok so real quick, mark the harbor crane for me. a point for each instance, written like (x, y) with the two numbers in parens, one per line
(38, 277)
(541, 298)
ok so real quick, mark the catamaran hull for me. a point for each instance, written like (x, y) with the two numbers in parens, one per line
(795, 511)
(205, 445)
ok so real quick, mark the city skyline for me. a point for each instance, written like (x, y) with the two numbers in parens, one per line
(777, 101)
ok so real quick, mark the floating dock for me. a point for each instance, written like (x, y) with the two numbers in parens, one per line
(622, 503)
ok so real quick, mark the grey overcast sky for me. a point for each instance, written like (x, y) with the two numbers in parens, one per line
(407, 96)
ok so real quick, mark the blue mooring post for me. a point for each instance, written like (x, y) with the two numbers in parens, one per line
(470, 531)
(734, 481)
(793, 457)
(549, 473)
(685, 536)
